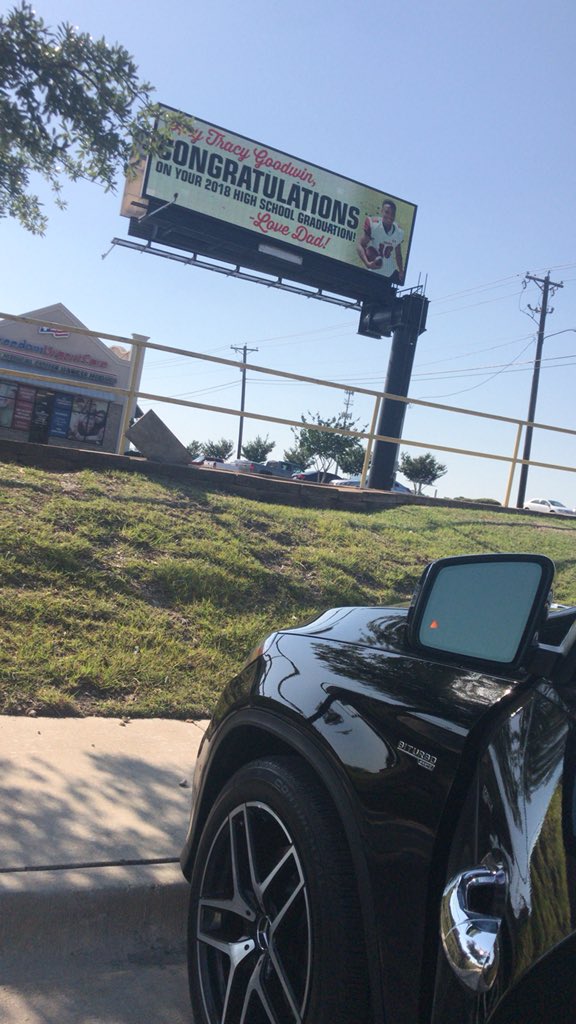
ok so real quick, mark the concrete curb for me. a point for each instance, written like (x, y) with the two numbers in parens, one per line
(122, 910)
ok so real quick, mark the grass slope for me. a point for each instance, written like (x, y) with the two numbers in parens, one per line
(131, 596)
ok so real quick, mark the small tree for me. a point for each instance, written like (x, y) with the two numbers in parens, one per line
(195, 449)
(70, 107)
(325, 449)
(421, 470)
(297, 457)
(259, 449)
(352, 461)
(221, 449)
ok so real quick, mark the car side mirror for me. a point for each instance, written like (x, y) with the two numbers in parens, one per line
(483, 608)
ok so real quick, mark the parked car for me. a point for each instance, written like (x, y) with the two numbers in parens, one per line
(242, 466)
(281, 468)
(549, 505)
(354, 481)
(315, 476)
(384, 820)
(349, 481)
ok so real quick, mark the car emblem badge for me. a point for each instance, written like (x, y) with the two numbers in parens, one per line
(424, 759)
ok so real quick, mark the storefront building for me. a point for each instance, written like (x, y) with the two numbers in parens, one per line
(67, 414)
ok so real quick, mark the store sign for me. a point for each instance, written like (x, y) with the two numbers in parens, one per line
(51, 360)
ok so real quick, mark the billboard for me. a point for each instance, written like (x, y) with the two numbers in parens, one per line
(222, 195)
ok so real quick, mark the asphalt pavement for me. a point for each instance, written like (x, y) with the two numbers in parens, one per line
(93, 814)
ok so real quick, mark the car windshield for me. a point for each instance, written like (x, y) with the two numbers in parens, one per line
(558, 504)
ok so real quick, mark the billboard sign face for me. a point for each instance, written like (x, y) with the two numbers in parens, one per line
(226, 196)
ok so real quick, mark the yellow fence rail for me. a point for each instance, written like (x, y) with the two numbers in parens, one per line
(140, 344)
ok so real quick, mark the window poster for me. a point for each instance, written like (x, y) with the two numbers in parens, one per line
(7, 400)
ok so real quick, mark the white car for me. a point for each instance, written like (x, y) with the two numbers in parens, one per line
(234, 465)
(354, 481)
(549, 505)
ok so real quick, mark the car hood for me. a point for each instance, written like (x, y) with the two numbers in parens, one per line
(368, 626)
(360, 655)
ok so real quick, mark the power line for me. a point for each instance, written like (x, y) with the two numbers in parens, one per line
(343, 327)
(478, 288)
(206, 391)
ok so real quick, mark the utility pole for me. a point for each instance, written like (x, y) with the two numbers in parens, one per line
(349, 400)
(346, 417)
(548, 287)
(244, 350)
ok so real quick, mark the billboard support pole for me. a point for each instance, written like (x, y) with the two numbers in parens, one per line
(411, 323)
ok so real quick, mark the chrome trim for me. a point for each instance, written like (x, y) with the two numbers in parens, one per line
(471, 939)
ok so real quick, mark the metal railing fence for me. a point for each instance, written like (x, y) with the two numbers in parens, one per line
(141, 344)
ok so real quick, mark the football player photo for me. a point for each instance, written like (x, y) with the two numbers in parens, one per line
(379, 247)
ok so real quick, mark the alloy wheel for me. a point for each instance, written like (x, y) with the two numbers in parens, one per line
(253, 926)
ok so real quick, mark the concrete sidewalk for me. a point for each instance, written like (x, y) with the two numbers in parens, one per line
(93, 814)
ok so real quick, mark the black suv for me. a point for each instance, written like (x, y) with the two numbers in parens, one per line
(384, 822)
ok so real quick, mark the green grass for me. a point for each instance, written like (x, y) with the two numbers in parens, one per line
(125, 595)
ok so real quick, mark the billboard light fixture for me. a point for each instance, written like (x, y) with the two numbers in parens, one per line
(280, 254)
(159, 209)
(378, 320)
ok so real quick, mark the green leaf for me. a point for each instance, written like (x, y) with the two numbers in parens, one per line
(71, 107)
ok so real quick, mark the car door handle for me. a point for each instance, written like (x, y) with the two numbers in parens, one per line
(471, 937)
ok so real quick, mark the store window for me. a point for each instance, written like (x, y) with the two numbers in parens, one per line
(7, 400)
(88, 420)
(43, 413)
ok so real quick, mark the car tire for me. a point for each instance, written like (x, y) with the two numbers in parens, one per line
(274, 933)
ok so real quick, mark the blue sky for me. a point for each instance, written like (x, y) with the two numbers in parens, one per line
(466, 110)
